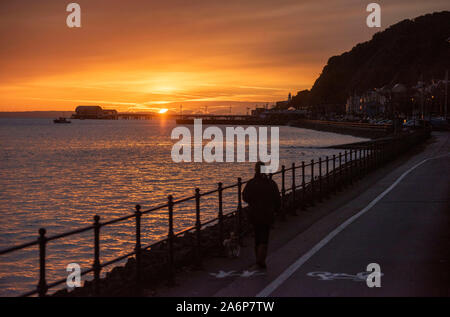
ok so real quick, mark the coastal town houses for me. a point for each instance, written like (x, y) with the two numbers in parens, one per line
(371, 103)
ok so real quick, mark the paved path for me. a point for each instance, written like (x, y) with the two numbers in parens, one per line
(401, 222)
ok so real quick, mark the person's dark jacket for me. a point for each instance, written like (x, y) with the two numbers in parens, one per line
(263, 197)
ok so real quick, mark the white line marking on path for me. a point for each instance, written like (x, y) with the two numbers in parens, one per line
(305, 257)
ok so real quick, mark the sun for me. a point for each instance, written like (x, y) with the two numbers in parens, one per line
(163, 110)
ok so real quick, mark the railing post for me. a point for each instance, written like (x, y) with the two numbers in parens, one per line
(345, 168)
(363, 167)
(198, 227)
(383, 154)
(377, 149)
(320, 179)
(340, 170)
(283, 193)
(334, 173)
(358, 161)
(303, 187)
(352, 166)
(171, 280)
(42, 285)
(372, 156)
(96, 266)
(312, 183)
(354, 158)
(220, 216)
(328, 175)
(360, 164)
(375, 161)
(138, 249)
(351, 162)
(367, 159)
(239, 210)
(375, 158)
(294, 189)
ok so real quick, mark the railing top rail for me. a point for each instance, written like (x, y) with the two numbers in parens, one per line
(112, 221)
(19, 247)
(126, 217)
(229, 186)
(181, 200)
(155, 208)
(69, 233)
(120, 258)
(181, 232)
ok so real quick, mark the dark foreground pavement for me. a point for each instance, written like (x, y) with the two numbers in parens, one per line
(399, 218)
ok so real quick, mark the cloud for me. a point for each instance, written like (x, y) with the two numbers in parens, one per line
(139, 51)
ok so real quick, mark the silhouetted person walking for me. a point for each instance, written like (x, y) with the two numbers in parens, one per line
(263, 197)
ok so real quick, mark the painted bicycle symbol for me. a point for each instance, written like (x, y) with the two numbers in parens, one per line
(328, 276)
(245, 273)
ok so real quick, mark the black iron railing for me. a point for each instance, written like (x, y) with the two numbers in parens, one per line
(332, 175)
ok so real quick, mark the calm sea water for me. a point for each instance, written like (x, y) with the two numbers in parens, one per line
(60, 176)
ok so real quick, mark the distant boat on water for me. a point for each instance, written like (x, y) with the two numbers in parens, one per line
(61, 120)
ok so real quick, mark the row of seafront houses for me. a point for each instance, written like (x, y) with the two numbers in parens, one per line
(415, 100)
(387, 101)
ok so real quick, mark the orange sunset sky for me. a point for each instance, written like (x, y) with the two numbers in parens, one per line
(144, 55)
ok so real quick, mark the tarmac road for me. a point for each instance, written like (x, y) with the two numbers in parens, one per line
(406, 232)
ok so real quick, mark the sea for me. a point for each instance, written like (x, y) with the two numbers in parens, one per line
(58, 176)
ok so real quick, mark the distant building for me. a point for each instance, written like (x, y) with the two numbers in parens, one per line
(258, 111)
(94, 112)
(372, 103)
(109, 114)
(284, 103)
(281, 104)
(369, 103)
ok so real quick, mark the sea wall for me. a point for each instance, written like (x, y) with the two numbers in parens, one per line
(363, 130)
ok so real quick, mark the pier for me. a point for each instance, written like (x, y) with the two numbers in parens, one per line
(226, 120)
(135, 116)
(279, 118)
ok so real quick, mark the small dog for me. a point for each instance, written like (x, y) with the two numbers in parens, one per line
(232, 246)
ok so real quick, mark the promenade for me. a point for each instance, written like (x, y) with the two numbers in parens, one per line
(397, 216)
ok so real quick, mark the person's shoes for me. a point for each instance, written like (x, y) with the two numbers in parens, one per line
(261, 265)
(254, 267)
